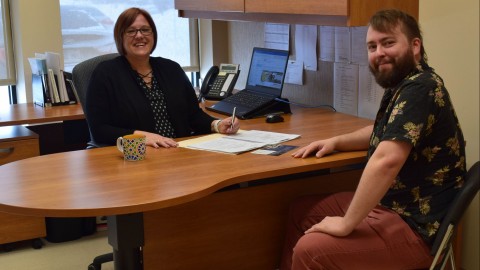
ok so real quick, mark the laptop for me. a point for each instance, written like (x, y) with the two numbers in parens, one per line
(264, 85)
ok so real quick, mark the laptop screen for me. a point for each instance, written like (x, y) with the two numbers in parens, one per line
(267, 71)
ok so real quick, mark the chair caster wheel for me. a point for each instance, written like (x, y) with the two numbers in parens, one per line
(93, 266)
(37, 243)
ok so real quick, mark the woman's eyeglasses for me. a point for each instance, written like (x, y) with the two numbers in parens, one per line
(133, 32)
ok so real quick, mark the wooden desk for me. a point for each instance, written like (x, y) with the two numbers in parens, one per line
(172, 194)
(28, 113)
(60, 128)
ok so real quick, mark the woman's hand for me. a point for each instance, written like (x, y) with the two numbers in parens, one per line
(157, 141)
(225, 126)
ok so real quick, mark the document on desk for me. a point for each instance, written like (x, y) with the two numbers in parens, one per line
(242, 141)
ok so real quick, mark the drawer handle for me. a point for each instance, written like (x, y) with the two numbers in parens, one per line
(7, 150)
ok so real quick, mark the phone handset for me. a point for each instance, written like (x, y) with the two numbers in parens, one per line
(208, 82)
(219, 82)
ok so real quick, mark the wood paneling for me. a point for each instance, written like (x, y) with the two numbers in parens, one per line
(236, 229)
(208, 5)
(315, 7)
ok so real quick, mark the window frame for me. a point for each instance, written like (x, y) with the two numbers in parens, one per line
(8, 42)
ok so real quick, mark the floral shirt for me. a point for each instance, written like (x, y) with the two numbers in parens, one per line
(419, 111)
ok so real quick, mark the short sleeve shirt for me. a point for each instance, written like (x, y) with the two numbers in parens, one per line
(419, 111)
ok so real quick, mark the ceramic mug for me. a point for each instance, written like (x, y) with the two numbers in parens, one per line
(132, 146)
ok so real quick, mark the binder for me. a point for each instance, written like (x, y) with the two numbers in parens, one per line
(45, 89)
(41, 91)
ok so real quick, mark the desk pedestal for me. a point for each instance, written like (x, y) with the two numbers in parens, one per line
(236, 229)
(125, 235)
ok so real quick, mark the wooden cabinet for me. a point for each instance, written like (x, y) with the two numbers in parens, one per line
(211, 5)
(318, 12)
(18, 142)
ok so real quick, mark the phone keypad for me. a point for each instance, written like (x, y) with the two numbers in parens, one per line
(217, 85)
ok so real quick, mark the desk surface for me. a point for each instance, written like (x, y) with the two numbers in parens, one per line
(99, 182)
(28, 113)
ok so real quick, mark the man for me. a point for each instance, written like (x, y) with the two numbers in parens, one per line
(416, 165)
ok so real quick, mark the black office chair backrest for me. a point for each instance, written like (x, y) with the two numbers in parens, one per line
(455, 212)
(81, 74)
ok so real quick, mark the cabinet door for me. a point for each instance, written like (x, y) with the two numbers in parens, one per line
(210, 5)
(313, 7)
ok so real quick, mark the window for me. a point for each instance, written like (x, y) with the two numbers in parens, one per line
(7, 64)
(87, 30)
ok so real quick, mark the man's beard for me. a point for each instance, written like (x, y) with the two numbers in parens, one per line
(400, 69)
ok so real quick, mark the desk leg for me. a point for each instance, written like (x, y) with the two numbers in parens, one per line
(125, 235)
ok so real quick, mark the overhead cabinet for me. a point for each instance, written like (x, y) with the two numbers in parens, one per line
(319, 12)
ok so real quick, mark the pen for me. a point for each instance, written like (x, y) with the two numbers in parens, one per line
(233, 117)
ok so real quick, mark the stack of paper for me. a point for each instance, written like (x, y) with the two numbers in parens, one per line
(240, 142)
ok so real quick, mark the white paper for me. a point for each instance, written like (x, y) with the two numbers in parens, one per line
(359, 45)
(369, 94)
(345, 85)
(327, 43)
(294, 74)
(277, 36)
(342, 44)
(263, 136)
(240, 142)
(226, 145)
(306, 45)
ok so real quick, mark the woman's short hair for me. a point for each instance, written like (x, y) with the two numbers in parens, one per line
(125, 20)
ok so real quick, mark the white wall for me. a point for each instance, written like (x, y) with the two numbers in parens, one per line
(36, 29)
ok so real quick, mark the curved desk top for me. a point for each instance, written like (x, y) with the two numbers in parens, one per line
(99, 182)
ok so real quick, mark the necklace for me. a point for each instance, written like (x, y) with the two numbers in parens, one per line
(148, 75)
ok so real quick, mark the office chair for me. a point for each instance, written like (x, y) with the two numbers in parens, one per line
(81, 74)
(442, 247)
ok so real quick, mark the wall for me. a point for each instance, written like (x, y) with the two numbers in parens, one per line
(451, 33)
(36, 29)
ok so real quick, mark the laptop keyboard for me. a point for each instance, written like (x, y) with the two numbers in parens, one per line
(248, 99)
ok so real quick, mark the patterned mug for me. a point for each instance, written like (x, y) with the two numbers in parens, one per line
(132, 146)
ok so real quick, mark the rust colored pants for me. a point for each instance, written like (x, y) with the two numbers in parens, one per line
(381, 241)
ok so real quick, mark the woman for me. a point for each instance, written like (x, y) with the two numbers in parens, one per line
(136, 93)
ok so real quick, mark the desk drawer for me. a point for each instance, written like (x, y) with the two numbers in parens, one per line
(18, 149)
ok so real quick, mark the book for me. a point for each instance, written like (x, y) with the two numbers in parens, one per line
(69, 98)
(242, 141)
(71, 90)
(52, 85)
